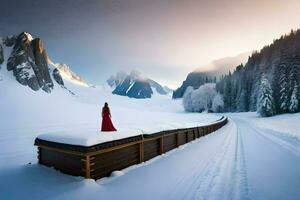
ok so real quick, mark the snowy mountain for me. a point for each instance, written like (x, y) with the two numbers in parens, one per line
(27, 61)
(135, 85)
(209, 73)
(68, 74)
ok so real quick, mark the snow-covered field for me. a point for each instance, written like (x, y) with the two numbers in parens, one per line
(250, 158)
(240, 161)
(25, 114)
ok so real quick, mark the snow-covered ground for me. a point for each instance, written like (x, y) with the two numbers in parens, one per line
(25, 114)
(249, 158)
(240, 161)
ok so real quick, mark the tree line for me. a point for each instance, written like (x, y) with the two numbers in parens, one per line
(268, 83)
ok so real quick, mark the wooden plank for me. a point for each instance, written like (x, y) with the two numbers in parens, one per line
(67, 163)
(151, 149)
(169, 142)
(87, 167)
(161, 145)
(181, 138)
(114, 148)
(62, 151)
(116, 163)
(141, 146)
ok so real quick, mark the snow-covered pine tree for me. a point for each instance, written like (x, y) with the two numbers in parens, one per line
(228, 100)
(242, 101)
(242, 98)
(265, 103)
(294, 73)
(294, 103)
(283, 87)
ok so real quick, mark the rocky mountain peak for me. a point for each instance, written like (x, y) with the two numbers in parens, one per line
(25, 37)
(29, 62)
(134, 85)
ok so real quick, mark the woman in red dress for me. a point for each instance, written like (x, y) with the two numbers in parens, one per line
(107, 124)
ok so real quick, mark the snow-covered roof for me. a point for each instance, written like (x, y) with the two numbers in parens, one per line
(90, 138)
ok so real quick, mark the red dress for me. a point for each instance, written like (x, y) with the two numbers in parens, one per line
(107, 124)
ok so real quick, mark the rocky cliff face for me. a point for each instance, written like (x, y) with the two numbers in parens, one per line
(134, 88)
(29, 62)
(159, 89)
(1, 55)
(57, 77)
(65, 71)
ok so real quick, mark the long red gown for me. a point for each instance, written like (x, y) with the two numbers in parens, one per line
(107, 124)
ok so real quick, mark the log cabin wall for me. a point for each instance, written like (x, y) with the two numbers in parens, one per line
(100, 160)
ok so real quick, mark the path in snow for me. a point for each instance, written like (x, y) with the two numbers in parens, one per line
(272, 162)
(239, 161)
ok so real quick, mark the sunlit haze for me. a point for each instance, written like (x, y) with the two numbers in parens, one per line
(163, 39)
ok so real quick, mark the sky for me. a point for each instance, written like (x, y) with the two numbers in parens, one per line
(163, 39)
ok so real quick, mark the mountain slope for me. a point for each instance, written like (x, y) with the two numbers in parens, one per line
(210, 72)
(66, 73)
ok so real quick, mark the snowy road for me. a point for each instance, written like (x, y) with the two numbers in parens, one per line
(272, 162)
(240, 161)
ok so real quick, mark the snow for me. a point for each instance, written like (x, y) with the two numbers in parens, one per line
(90, 138)
(25, 114)
(130, 86)
(285, 125)
(68, 74)
(250, 158)
(239, 161)
(29, 36)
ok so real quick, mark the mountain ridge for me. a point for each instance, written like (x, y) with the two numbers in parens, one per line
(30, 64)
(135, 85)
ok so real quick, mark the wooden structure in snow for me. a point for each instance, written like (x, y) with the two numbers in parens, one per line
(100, 160)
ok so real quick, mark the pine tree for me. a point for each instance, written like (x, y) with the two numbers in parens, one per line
(283, 88)
(228, 93)
(242, 101)
(265, 104)
(283, 84)
(294, 73)
(294, 103)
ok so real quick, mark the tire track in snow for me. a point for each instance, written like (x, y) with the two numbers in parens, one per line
(241, 169)
(272, 165)
(291, 147)
(200, 182)
(224, 176)
(197, 169)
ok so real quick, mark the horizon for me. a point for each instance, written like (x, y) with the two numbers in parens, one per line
(163, 40)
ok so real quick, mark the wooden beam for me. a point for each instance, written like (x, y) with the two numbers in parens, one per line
(161, 149)
(87, 167)
(141, 152)
(114, 148)
(62, 150)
